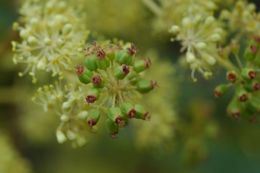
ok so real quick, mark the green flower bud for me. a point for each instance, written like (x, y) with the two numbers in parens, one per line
(102, 62)
(232, 76)
(116, 115)
(122, 57)
(144, 86)
(91, 63)
(129, 110)
(248, 73)
(256, 86)
(250, 53)
(133, 77)
(84, 75)
(93, 117)
(234, 109)
(141, 65)
(97, 81)
(242, 95)
(92, 96)
(221, 89)
(141, 113)
(121, 72)
(112, 128)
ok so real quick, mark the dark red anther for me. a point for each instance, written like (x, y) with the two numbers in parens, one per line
(252, 74)
(101, 54)
(91, 123)
(125, 69)
(253, 49)
(120, 121)
(232, 77)
(113, 135)
(96, 80)
(132, 50)
(243, 98)
(132, 113)
(256, 86)
(235, 115)
(154, 84)
(217, 94)
(79, 70)
(147, 116)
(91, 99)
(147, 62)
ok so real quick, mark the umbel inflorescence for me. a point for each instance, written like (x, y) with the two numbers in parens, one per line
(113, 75)
(244, 78)
(50, 33)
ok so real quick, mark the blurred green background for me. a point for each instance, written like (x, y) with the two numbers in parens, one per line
(235, 148)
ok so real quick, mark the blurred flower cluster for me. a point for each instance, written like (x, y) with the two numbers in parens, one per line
(86, 82)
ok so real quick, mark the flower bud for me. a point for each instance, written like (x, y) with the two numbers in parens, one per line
(248, 73)
(141, 113)
(234, 109)
(132, 50)
(256, 86)
(32, 40)
(121, 72)
(67, 29)
(129, 110)
(117, 116)
(231, 76)
(215, 37)
(112, 128)
(133, 77)
(61, 137)
(123, 57)
(101, 54)
(97, 81)
(220, 90)
(84, 75)
(242, 96)
(201, 45)
(190, 57)
(92, 95)
(141, 65)
(144, 86)
(91, 63)
(174, 29)
(93, 117)
(102, 63)
(251, 52)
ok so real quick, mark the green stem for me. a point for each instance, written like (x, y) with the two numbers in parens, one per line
(238, 61)
(226, 64)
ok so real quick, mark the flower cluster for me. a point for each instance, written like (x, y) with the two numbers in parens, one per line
(199, 36)
(246, 82)
(192, 24)
(114, 78)
(242, 18)
(66, 101)
(50, 34)
(169, 12)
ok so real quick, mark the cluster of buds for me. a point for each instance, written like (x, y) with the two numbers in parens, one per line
(246, 81)
(114, 77)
